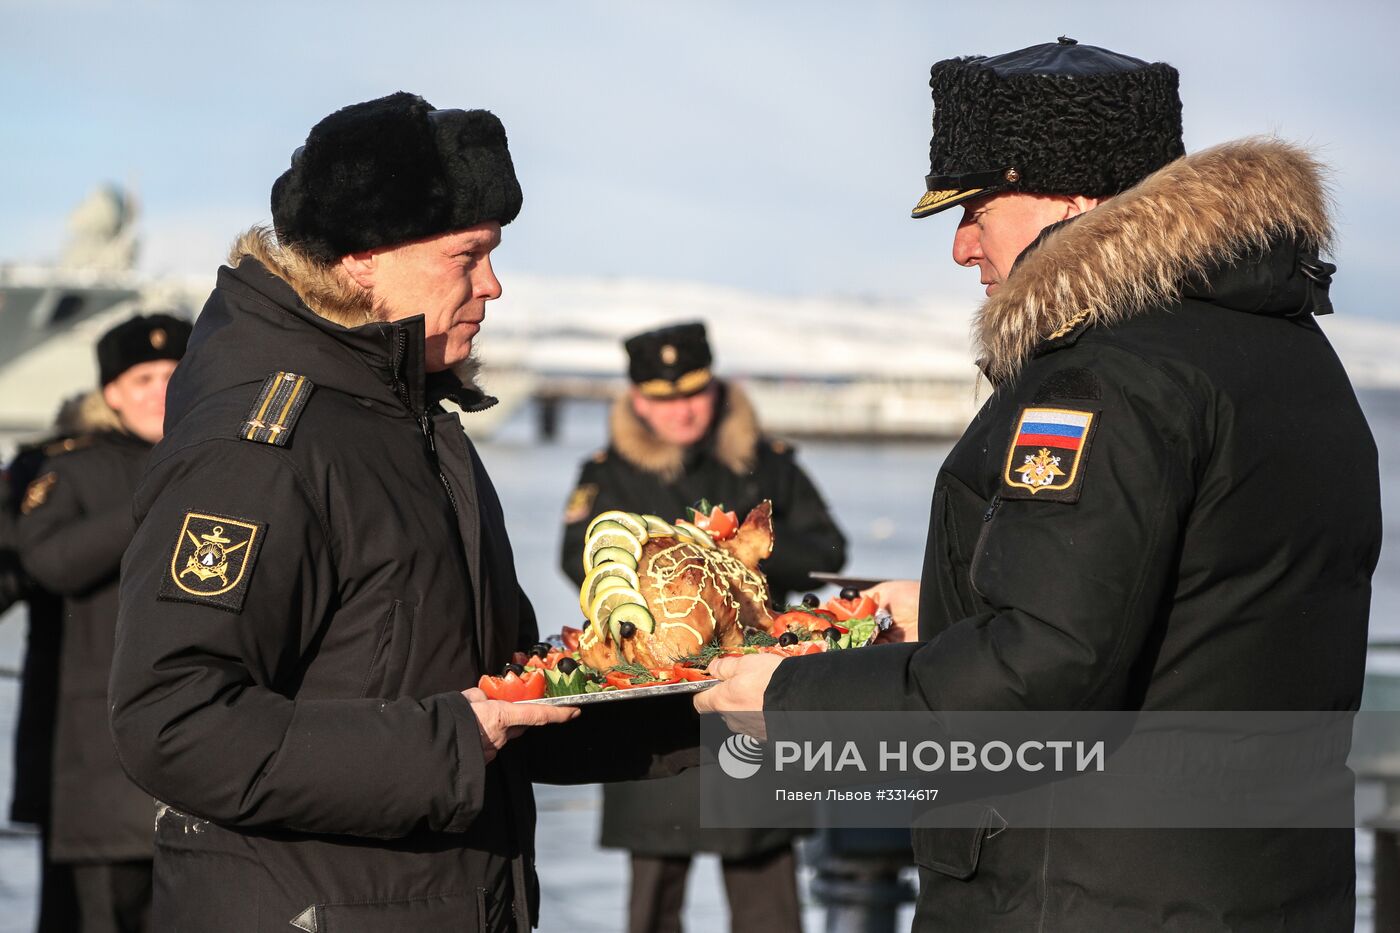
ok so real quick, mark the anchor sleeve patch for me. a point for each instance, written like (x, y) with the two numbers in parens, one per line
(1047, 455)
(212, 562)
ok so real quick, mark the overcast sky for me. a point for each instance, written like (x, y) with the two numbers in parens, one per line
(764, 145)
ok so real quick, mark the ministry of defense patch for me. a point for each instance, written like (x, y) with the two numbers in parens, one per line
(1047, 454)
(213, 561)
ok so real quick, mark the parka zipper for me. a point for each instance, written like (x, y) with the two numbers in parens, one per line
(987, 515)
(425, 421)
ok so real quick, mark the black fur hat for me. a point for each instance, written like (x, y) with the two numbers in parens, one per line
(391, 170)
(140, 339)
(670, 362)
(1058, 118)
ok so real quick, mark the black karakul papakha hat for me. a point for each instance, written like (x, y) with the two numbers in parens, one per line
(141, 339)
(670, 362)
(1058, 118)
(392, 170)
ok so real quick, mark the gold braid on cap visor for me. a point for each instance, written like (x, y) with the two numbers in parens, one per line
(688, 384)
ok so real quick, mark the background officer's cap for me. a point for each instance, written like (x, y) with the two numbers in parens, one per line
(141, 339)
(1058, 118)
(670, 362)
(392, 170)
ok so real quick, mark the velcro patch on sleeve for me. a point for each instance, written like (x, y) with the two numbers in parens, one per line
(37, 492)
(275, 411)
(1047, 454)
(580, 503)
(212, 561)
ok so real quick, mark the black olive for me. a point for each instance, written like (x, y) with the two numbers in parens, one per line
(626, 629)
(566, 666)
(787, 638)
(515, 669)
(586, 623)
(850, 592)
(832, 635)
(811, 601)
(539, 650)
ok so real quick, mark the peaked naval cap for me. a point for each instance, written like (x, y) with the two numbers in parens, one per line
(391, 170)
(670, 362)
(1057, 118)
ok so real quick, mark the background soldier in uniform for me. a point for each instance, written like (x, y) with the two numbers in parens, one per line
(75, 524)
(322, 567)
(1170, 502)
(676, 436)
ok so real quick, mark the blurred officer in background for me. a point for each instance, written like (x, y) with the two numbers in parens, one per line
(75, 524)
(676, 436)
(322, 572)
(32, 788)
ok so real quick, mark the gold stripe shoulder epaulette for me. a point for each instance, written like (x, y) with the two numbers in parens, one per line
(276, 409)
(67, 445)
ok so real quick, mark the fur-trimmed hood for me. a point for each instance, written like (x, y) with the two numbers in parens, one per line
(87, 414)
(735, 436)
(1141, 248)
(327, 294)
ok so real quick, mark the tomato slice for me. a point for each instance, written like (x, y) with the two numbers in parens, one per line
(690, 673)
(512, 688)
(813, 620)
(846, 609)
(570, 635)
(782, 622)
(722, 525)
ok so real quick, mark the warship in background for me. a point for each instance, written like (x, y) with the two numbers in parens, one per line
(52, 315)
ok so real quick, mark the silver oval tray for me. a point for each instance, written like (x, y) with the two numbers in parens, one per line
(636, 693)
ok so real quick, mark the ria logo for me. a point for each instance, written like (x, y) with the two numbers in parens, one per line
(741, 756)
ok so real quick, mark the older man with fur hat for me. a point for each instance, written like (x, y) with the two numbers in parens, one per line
(322, 568)
(1169, 502)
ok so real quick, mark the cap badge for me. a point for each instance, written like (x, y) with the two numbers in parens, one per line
(668, 355)
(158, 338)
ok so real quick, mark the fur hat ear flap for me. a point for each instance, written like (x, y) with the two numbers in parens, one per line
(391, 170)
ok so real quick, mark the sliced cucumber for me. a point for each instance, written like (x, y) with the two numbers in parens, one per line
(695, 534)
(639, 616)
(658, 527)
(610, 555)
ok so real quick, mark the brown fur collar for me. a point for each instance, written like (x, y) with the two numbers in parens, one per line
(735, 439)
(88, 413)
(1136, 250)
(331, 295)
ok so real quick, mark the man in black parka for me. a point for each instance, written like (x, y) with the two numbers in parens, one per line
(1169, 502)
(75, 523)
(322, 568)
(678, 435)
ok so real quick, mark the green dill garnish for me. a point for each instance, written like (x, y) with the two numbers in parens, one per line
(754, 638)
(703, 657)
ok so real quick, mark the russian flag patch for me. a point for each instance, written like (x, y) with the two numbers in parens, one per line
(1047, 454)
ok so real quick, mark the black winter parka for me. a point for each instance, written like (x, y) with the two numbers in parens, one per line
(297, 622)
(1209, 546)
(75, 525)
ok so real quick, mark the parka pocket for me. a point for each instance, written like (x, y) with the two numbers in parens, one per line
(960, 517)
(392, 651)
(955, 851)
(443, 913)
